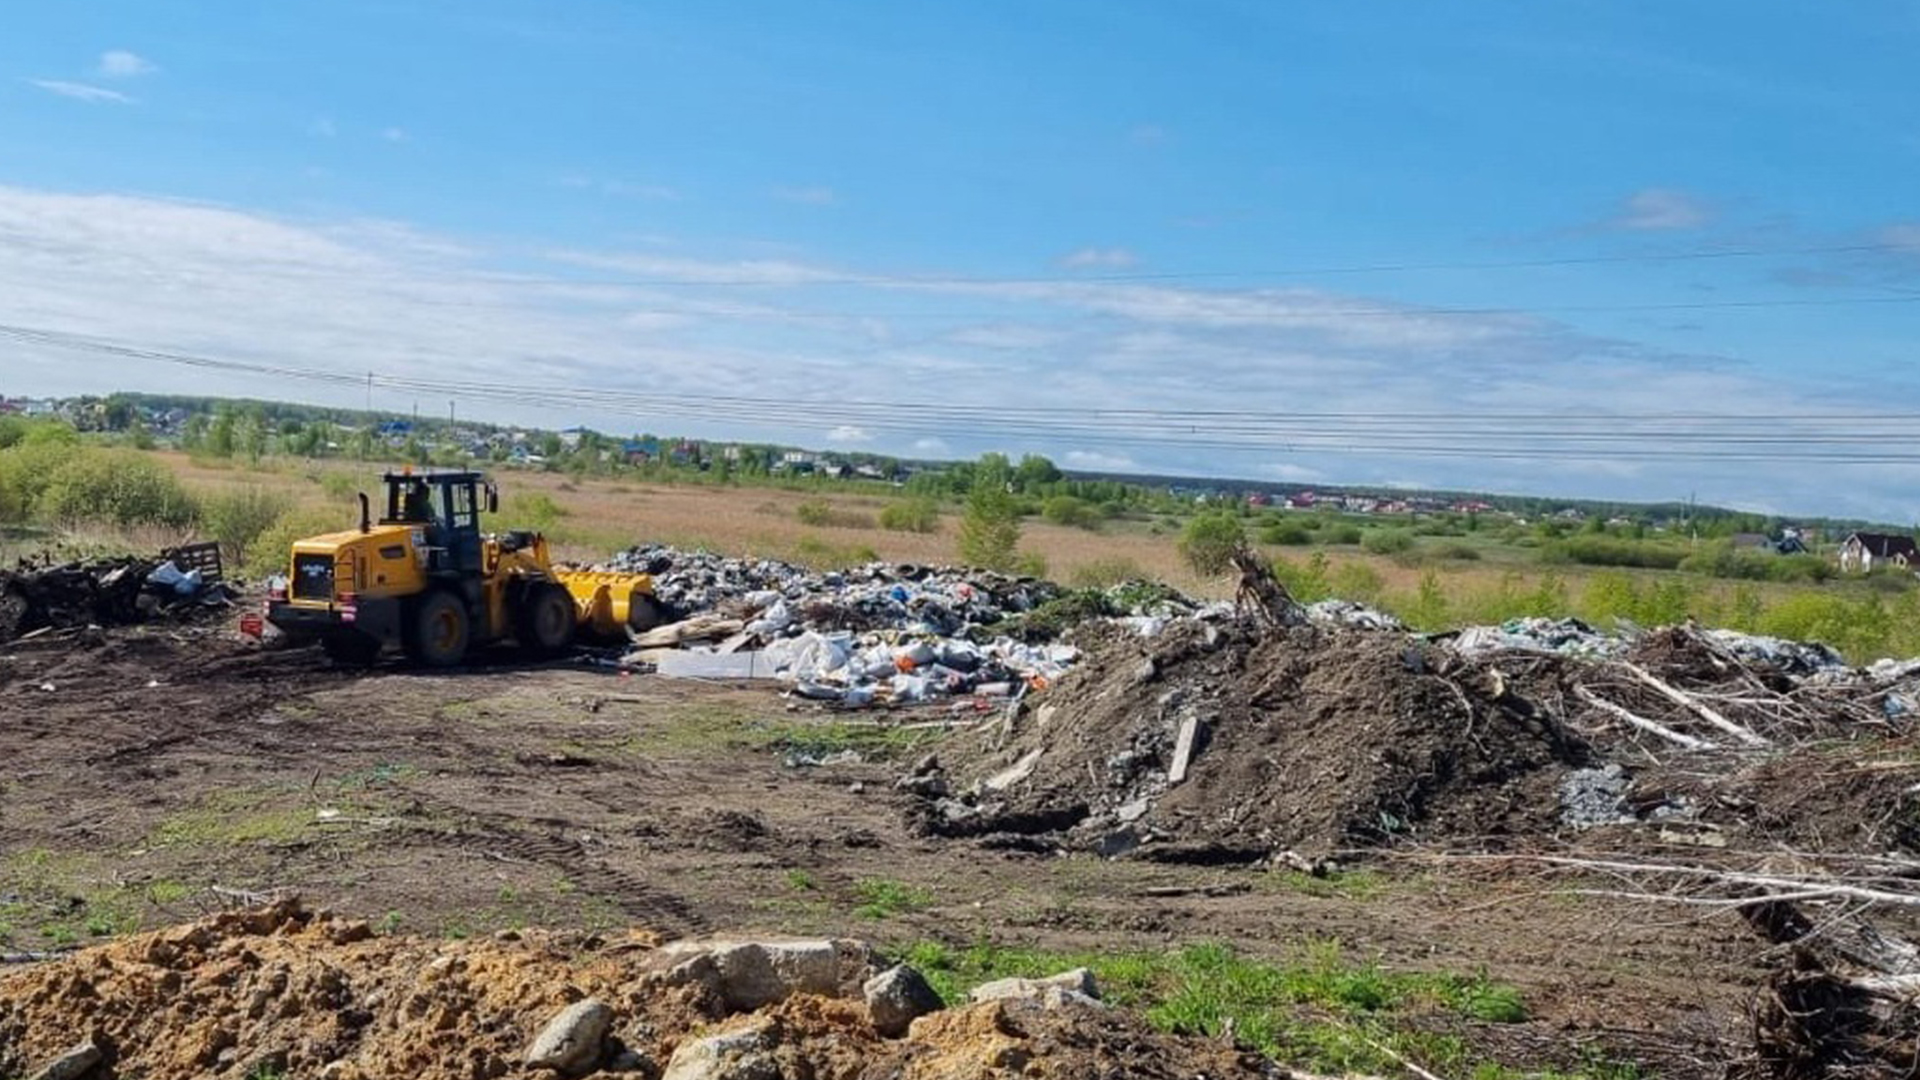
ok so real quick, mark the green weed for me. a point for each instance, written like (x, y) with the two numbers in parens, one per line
(1317, 1009)
(882, 897)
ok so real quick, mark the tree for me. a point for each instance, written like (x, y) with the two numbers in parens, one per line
(220, 434)
(1210, 540)
(990, 528)
(1033, 472)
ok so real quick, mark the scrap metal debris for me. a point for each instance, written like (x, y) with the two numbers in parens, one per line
(36, 597)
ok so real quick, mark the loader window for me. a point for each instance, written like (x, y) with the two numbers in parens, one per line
(462, 514)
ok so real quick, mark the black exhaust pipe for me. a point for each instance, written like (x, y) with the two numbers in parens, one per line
(366, 514)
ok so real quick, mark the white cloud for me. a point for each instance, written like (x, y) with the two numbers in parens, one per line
(1099, 462)
(395, 134)
(87, 92)
(121, 64)
(810, 196)
(1658, 209)
(1007, 336)
(1903, 236)
(649, 341)
(1086, 258)
(1147, 134)
(322, 127)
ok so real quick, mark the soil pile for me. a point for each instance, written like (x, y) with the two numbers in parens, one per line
(1218, 740)
(1311, 740)
(282, 991)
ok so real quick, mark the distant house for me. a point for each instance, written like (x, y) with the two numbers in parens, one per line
(1752, 541)
(571, 437)
(639, 451)
(1259, 498)
(1302, 501)
(1862, 550)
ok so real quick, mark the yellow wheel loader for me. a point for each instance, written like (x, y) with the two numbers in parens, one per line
(425, 579)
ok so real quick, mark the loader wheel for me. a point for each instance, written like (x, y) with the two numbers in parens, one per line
(437, 635)
(544, 623)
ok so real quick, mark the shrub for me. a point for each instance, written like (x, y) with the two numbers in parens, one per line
(237, 518)
(1455, 552)
(27, 467)
(1290, 533)
(822, 514)
(1030, 564)
(1357, 581)
(1309, 582)
(270, 551)
(1210, 539)
(920, 515)
(117, 487)
(1107, 572)
(535, 510)
(340, 484)
(1386, 541)
(1341, 534)
(990, 529)
(1597, 550)
(1071, 512)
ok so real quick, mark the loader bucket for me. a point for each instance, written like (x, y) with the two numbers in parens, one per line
(611, 603)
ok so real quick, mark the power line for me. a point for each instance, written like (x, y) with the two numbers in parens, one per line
(1835, 438)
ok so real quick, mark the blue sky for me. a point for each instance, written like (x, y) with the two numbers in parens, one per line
(1072, 205)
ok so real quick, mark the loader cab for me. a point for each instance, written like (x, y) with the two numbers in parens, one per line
(446, 507)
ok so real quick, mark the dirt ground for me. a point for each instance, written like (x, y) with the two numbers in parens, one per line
(153, 774)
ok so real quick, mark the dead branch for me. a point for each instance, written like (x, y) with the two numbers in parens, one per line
(1694, 705)
(1687, 742)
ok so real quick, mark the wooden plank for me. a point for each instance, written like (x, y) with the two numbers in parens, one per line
(1183, 749)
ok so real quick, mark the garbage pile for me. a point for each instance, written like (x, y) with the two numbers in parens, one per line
(895, 634)
(281, 991)
(881, 633)
(1211, 738)
(39, 597)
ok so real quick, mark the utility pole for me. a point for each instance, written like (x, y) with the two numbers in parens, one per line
(369, 397)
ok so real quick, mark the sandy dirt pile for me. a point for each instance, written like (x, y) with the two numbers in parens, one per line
(282, 991)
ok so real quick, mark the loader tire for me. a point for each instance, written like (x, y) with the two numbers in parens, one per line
(544, 622)
(438, 631)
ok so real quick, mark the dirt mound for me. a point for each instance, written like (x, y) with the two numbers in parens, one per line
(1310, 740)
(282, 991)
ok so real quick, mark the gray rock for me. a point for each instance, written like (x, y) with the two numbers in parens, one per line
(741, 1054)
(571, 1042)
(1063, 988)
(896, 997)
(933, 786)
(750, 974)
(1590, 797)
(71, 1065)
